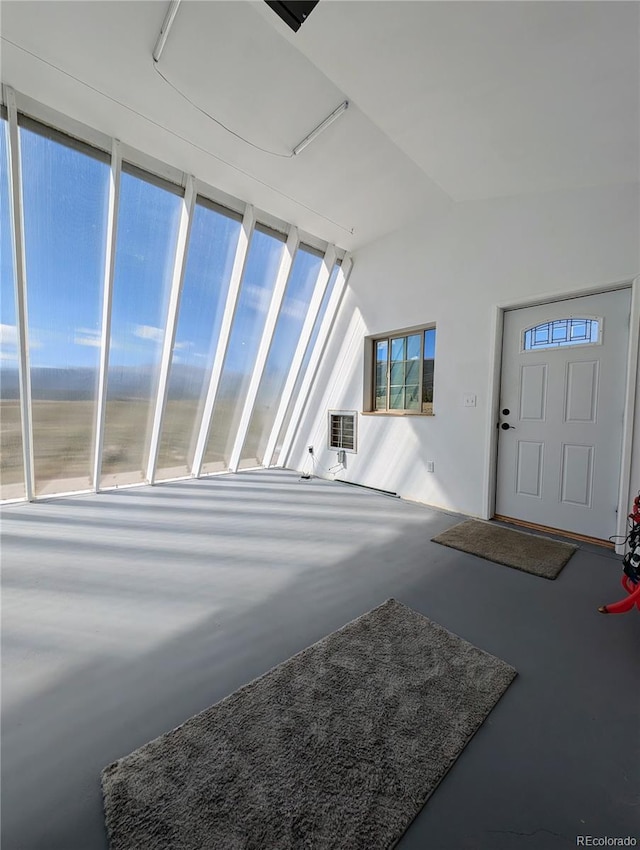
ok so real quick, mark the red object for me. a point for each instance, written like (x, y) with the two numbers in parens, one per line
(634, 516)
(631, 567)
(629, 601)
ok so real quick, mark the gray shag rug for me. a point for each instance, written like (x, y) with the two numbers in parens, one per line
(337, 748)
(531, 553)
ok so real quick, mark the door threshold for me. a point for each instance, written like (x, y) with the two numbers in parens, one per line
(583, 538)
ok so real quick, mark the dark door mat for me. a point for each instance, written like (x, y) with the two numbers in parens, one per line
(531, 553)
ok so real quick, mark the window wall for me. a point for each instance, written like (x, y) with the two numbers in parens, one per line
(66, 192)
(261, 270)
(148, 218)
(65, 197)
(300, 286)
(212, 248)
(11, 459)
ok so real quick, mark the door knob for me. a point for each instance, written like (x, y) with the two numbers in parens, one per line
(505, 426)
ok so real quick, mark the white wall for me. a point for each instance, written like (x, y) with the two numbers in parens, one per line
(483, 254)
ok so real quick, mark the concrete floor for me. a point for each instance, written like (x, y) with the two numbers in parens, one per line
(128, 612)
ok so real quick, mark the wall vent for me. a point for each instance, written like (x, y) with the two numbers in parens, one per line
(342, 430)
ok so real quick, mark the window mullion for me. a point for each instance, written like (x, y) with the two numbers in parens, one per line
(388, 374)
(405, 369)
(421, 372)
(20, 284)
(105, 337)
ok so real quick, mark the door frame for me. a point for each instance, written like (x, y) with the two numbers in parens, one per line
(493, 407)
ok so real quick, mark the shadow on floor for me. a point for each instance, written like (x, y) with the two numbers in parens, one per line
(558, 756)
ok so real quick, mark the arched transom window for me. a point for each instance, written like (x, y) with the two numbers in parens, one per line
(562, 332)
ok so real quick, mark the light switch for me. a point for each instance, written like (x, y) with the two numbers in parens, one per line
(469, 400)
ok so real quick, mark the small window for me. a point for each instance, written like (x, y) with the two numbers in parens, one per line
(342, 430)
(403, 367)
(562, 332)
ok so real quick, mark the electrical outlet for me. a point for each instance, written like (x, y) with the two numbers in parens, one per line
(469, 400)
(310, 450)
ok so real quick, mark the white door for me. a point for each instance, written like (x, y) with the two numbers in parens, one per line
(561, 412)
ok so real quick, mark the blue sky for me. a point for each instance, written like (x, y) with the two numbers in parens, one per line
(430, 344)
(65, 205)
(65, 196)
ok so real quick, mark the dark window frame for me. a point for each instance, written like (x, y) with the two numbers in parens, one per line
(372, 395)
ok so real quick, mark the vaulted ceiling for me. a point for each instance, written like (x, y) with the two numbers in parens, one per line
(449, 101)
